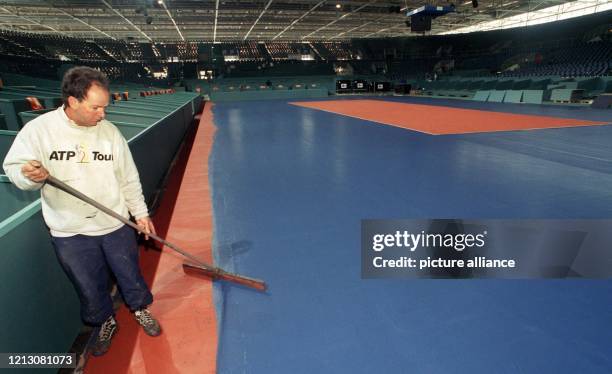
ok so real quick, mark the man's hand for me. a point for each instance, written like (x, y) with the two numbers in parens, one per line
(146, 225)
(34, 171)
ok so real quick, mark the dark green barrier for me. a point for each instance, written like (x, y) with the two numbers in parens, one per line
(488, 85)
(189, 103)
(6, 139)
(497, 96)
(155, 109)
(592, 86)
(154, 149)
(540, 85)
(481, 95)
(31, 114)
(129, 130)
(197, 104)
(190, 110)
(178, 95)
(566, 95)
(2, 123)
(513, 96)
(12, 200)
(522, 85)
(111, 115)
(10, 108)
(533, 96)
(172, 97)
(503, 85)
(149, 103)
(475, 85)
(174, 102)
(127, 118)
(186, 113)
(143, 112)
(40, 312)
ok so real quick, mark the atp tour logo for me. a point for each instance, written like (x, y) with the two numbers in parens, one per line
(80, 155)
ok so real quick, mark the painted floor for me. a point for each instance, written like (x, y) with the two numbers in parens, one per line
(290, 186)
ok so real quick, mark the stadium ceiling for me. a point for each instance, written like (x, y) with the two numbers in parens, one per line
(236, 20)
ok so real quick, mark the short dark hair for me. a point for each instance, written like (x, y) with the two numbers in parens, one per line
(78, 80)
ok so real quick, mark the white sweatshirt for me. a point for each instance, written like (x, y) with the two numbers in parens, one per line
(94, 160)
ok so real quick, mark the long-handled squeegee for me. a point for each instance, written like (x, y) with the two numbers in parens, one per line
(200, 266)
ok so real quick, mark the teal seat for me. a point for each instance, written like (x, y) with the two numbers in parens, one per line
(131, 118)
(129, 131)
(481, 95)
(497, 96)
(10, 108)
(566, 94)
(533, 96)
(513, 96)
(6, 139)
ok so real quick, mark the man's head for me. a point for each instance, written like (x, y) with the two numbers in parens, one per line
(85, 95)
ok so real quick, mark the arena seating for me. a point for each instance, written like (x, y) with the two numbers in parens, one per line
(581, 60)
(526, 70)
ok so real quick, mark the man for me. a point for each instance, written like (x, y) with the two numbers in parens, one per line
(78, 146)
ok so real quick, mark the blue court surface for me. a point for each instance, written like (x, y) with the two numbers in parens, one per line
(290, 188)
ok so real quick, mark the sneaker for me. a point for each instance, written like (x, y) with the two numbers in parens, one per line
(148, 323)
(105, 334)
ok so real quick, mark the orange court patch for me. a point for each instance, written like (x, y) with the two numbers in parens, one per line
(439, 120)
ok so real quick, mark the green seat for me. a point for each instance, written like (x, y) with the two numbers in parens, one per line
(533, 96)
(141, 104)
(131, 118)
(566, 94)
(481, 95)
(513, 96)
(10, 107)
(135, 111)
(12, 199)
(497, 96)
(6, 139)
(31, 114)
(139, 109)
(129, 131)
(47, 100)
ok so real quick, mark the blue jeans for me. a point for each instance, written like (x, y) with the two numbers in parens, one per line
(87, 260)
